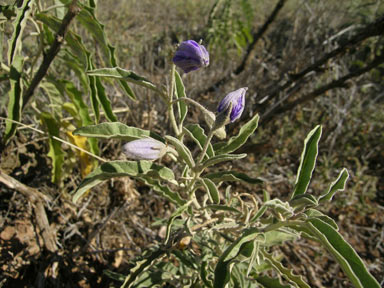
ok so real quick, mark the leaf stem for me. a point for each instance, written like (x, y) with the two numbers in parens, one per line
(170, 104)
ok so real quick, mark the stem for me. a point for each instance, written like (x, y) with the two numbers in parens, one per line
(170, 105)
(205, 148)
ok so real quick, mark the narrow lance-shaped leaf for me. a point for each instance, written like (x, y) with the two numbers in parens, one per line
(196, 133)
(55, 151)
(112, 169)
(183, 151)
(211, 188)
(15, 102)
(237, 141)
(115, 130)
(119, 73)
(223, 176)
(308, 162)
(93, 90)
(222, 158)
(175, 214)
(180, 93)
(104, 101)
(338, 185)
(15, 42)
(343, 252)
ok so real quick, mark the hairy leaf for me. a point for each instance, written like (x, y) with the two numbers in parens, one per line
(338, 185)
(212, 190)
(180, 93)
(196, 133)
(183, 151)
(232, 176)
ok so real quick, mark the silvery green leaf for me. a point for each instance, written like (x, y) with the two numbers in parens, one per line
(237, 141)
(180, 93)
(211, 188)
(278, 236)
(343, 252)
(232, 176)
(259, 213)
(221, 158)
(308, 162)
(175, 214)
(196, 133)
(338, 185)
(222, 208)
(280, 207)
(268, 282)
(116, 130)
(303, 201)
(183, 151)
(113, 169)
(313, 213)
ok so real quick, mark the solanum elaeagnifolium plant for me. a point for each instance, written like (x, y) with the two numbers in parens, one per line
(233, 230)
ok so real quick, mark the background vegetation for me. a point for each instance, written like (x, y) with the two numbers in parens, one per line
(249, 45)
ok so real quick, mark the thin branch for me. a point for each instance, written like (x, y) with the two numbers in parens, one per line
(73, 10)
(249, 54)
(373, 29)
(339, 83)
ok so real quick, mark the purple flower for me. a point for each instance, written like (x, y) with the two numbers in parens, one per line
(191, 56)
(237, 98)
(144, 149)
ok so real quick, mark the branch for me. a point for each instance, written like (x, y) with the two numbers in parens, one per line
(374, 29)
(73, 10)
(249, 55)
(339, 83)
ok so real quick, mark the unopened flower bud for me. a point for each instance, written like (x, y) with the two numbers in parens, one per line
(191, 56)
(237, 99)
(144, 149)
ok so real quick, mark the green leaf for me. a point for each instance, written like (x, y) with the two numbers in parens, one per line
(259, 213)
(222, 274)
(280, 207)
(163, 190)
(245, 132)
(15, 102)
(313, 213)
(337, 185)
(196, 133)
(211, 188)
(180, 93)
(122, 83)
(303, 201)
(285, 272)
(268, 282)
(308, 161)
(113, 169)
(343, 252)
(221, 158)
(55, 151)
(104, 101)
(222, 208)
(183, 151)
(232, 176)
(93, 90)
(174, 215)
(279, 236)
(15, 42)
(120, 73)
(116, 130)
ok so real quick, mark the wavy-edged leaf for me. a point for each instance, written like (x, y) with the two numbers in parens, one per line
(113, 169)
(280, 207)
(313, 213)
(222, 208)
(15, 42)
(268, 282)
(115, 130)
(303, 201)
(183, 151)
(93, 89)
(343, 252)
(175, 214)
(222, 158)
(163, 190)
(104, 101)
(307, 162)
(337, 185)
(232, 176)
(180, 93)
(196, 133)
(285, 272)
(279, 236)
(122, 83)
(15, 102)
(237, 141)
(212, 190)
(119, 73)
(222, 274)
(55, 151)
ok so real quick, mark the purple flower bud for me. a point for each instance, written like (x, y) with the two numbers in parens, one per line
(237, 98)
(191, 56)
(144, 149)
